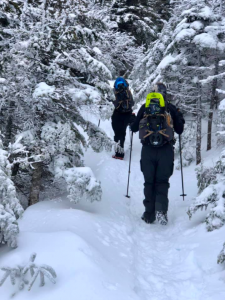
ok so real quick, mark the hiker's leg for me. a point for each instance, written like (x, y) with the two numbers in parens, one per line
(164, 170)
(148, 167)
(124, 125)
(117, 125)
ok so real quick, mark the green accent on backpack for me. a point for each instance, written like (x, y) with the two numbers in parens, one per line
(153, 96)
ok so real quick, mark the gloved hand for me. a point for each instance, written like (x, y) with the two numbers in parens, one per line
(132, 118)
(175, 112)
(180, 115)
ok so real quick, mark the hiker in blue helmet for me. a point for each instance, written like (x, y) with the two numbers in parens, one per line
(122, 114)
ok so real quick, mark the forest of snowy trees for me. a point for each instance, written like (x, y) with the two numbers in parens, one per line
(56, 60)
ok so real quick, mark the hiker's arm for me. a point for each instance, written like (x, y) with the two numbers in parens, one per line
(135, 126)
(114, 100)
(178, 120)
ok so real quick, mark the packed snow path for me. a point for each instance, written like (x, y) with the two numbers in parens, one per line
(105, 251)
(169, 263)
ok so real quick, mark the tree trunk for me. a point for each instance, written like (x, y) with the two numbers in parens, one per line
(213, 102)
(199, 133)
(199, 118)
(35, 183)
(9, 124)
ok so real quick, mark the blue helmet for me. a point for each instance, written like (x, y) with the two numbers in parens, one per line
(120, 83)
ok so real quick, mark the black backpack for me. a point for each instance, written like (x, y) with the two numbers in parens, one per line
(156, 128)
(123, 102)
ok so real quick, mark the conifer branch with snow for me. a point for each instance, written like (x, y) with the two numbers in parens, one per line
(212, 194)
(20, 274)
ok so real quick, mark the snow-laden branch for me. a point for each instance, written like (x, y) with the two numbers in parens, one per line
(211, 78)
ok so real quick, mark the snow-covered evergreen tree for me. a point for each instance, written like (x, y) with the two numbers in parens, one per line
(143, 19)
(185, 54)
(120, 49)
(212, 194)
(53, 70)
(10, 208)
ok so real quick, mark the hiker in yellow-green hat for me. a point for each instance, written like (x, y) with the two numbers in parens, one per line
(156, 122)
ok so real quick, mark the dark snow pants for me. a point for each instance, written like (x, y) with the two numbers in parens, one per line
(120, 122)
(157, 167)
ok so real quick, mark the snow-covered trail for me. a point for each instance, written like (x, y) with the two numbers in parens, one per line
(105, 251)
(165, 263)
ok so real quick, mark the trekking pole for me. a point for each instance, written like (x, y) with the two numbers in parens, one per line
(181, 168)
(131, 144)
(100, 116)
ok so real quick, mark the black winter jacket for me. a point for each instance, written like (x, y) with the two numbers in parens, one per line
(178, 120)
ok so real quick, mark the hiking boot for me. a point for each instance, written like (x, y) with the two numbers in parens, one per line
(149, 218)
(161, 217)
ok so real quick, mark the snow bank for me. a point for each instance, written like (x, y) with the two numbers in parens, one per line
(76, 244)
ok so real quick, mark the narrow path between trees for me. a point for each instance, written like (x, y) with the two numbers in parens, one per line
(166, 261)
(103, 250)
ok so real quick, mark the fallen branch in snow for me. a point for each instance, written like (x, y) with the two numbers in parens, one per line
(20, 272)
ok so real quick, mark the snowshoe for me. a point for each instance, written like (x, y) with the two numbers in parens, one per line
(161, 217)
(117, 157)
(149, 218)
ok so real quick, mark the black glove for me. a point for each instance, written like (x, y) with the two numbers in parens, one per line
(132, 119)
(180, 116)
(176, 113)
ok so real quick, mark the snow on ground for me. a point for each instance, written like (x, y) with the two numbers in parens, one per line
(105, 251)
